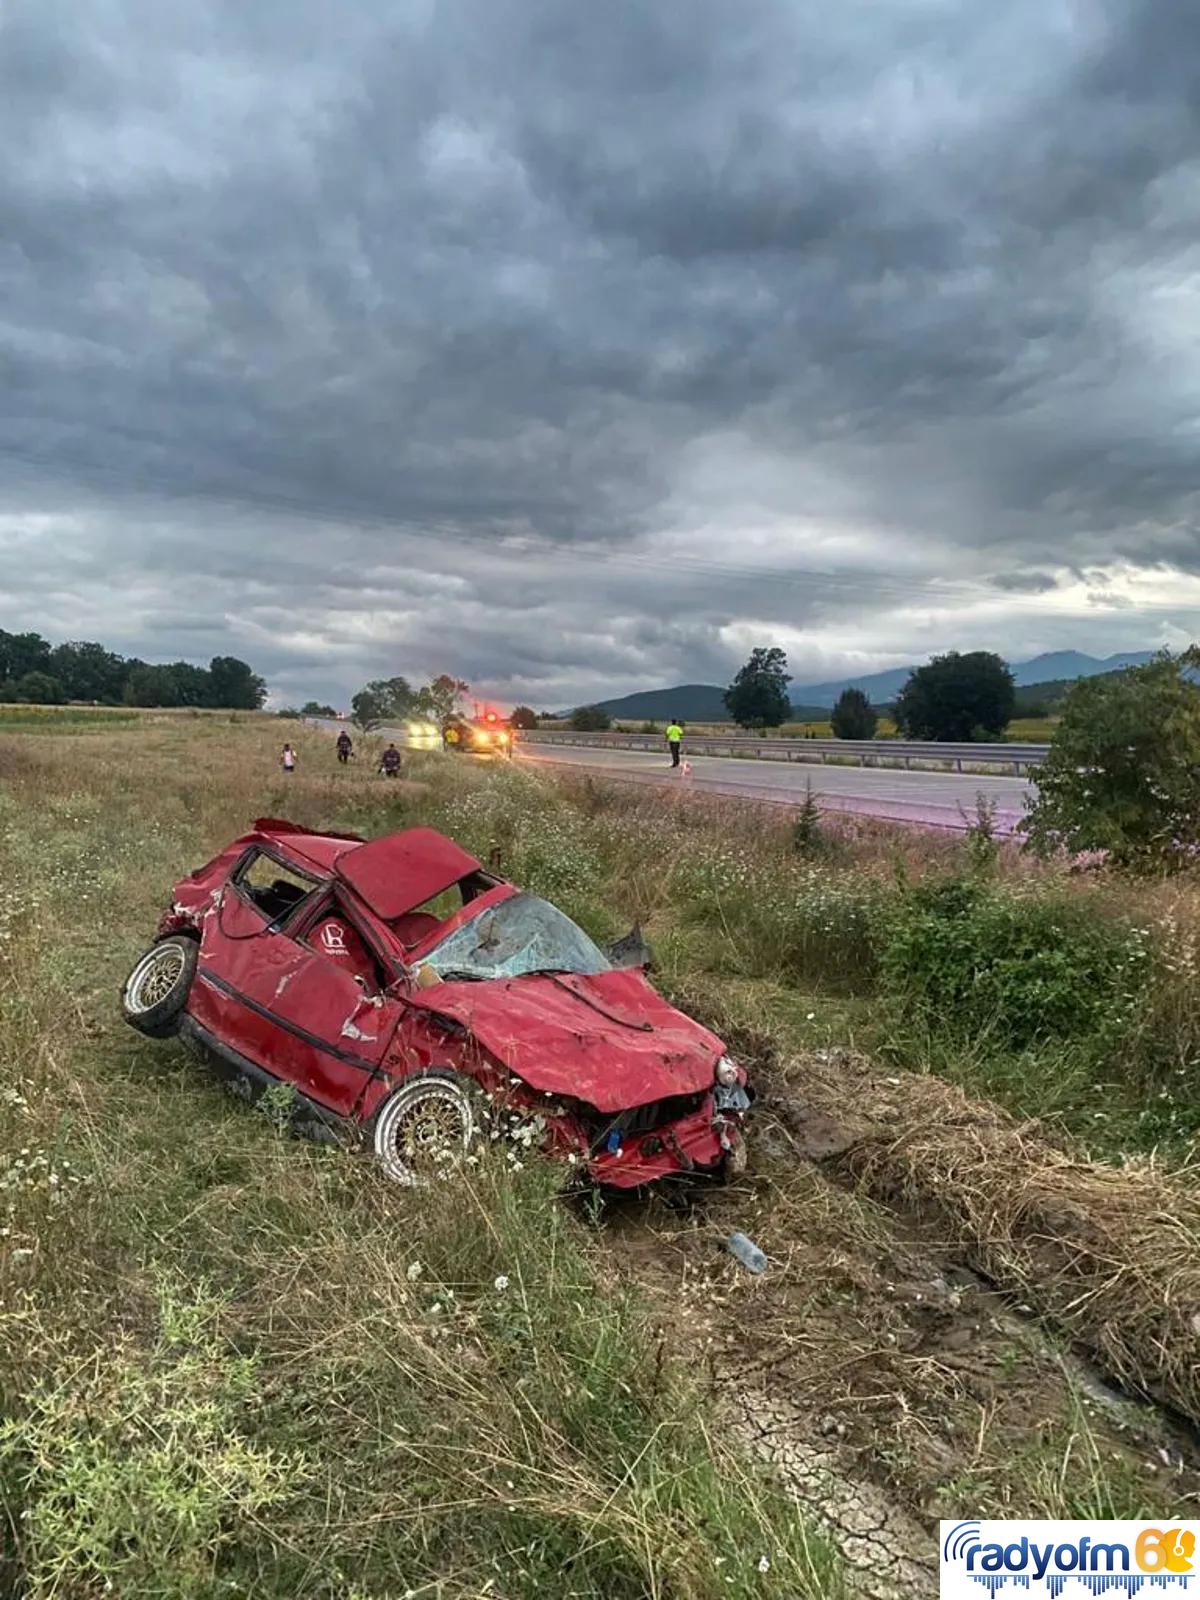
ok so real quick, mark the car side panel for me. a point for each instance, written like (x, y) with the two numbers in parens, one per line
(235, 952)
(418, 1044)
(331, 1037)
(286, 1009)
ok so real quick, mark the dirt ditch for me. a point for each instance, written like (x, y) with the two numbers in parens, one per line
(902, 1359)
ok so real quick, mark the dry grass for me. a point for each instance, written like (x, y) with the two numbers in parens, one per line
(218, 1374)
(1111, 1255)
(1106, 1255)
(577, 1444)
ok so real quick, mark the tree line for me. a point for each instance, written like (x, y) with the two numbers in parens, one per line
(1122, 778)
(386, 701)
(954, 697)
(35, 672)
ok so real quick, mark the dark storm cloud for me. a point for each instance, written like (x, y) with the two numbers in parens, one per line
(374, 309)
(1024, 582)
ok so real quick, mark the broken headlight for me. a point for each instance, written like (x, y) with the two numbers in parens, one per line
(730, 1093)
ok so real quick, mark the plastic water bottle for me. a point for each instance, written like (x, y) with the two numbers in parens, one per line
(747, 1252)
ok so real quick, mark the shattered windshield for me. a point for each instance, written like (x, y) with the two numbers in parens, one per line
(520, 935)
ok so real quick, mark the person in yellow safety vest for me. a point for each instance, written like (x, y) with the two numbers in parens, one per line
(674, 740)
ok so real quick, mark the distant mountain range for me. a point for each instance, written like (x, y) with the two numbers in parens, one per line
(880, 687)
(694, 702)
(704, 702)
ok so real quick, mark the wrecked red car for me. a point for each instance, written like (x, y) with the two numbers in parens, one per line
(414, 999)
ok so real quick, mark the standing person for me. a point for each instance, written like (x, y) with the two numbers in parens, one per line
(288, 759)
(344, 746)
(389, 762)
(674, 740)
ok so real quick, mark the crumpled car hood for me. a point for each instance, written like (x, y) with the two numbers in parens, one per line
(609, 1040)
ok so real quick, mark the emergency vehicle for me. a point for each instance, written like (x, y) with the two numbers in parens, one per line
(485, 733)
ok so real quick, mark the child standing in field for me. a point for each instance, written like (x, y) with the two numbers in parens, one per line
(288, 759)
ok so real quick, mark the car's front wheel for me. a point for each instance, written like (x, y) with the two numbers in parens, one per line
(156, 990)
(430, 1122)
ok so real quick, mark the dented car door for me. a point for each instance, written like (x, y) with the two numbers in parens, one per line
(286, 1006)
(326, 1033)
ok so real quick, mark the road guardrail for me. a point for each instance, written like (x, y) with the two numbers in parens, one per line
(1018, 758)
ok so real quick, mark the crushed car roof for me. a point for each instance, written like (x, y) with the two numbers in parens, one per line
(322, 849)
(403, 870)
(393, 874)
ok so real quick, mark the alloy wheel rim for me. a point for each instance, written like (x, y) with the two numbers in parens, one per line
(157, 976)
(428, 1131)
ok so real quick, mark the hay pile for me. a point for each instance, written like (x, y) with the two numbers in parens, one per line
(1111, 1254)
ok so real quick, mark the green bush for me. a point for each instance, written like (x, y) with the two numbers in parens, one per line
(808, 839)
(854, 717)
(972, 962)
(980, 842)
(1123, 773)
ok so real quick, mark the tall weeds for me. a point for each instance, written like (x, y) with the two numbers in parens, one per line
(235, 1363)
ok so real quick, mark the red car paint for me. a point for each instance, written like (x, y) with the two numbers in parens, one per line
(622, 1080)
(394, 874)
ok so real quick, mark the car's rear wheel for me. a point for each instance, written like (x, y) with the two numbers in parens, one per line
(156, 990)
(428, 1124)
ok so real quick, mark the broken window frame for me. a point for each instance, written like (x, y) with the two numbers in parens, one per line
(238, 876)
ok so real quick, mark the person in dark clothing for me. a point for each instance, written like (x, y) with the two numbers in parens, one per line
(344, 746)
(389, 762)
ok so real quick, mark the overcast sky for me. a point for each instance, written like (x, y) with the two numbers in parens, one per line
(577, 349)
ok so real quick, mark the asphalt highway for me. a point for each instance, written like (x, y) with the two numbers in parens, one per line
(931, 799)
(928, 799)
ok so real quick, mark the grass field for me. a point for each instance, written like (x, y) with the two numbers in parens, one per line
(79, 718)
(56, 719)
(237, 1364)
(1031, 730)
